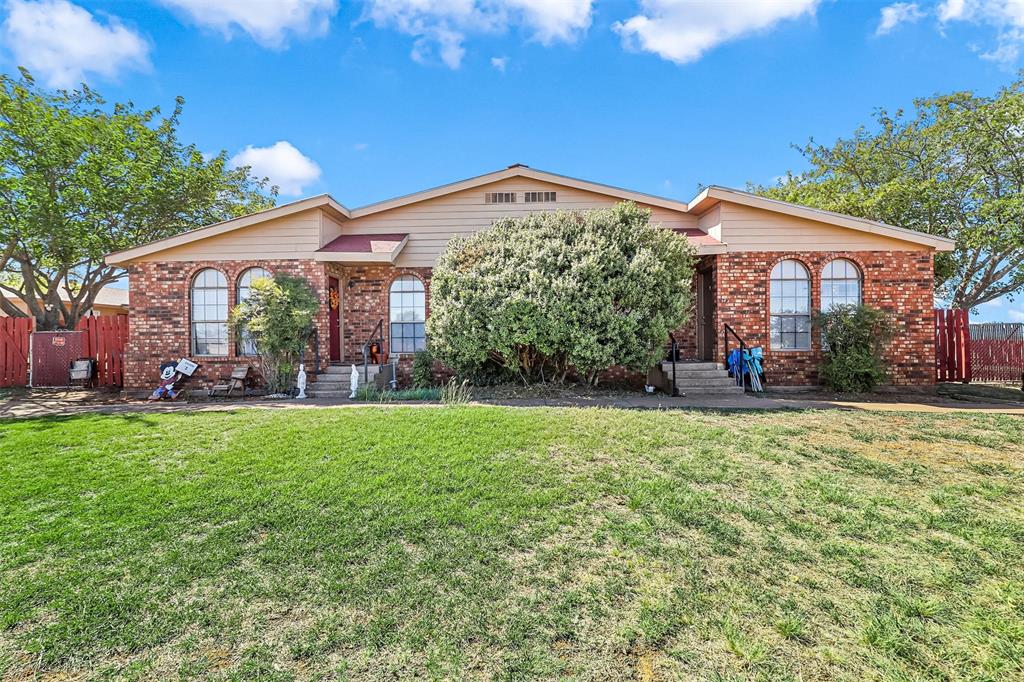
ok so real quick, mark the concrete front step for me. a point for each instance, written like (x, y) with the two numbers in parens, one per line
(346, 370)
(705, 383)
(711, 390)
(666, 366)
(327, 394)
(682, 375)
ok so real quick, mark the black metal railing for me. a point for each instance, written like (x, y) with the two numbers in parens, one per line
(377, 336)
(315, 340)
(673, 356)
(726, 333)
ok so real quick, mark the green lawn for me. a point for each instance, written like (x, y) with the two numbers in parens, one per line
(478, 542)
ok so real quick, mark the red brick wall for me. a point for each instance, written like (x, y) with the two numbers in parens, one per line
(159, 310)
(899, 282)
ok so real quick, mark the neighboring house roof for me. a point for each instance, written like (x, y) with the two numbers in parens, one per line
(702, 203)
(107, 296)
(363, 248)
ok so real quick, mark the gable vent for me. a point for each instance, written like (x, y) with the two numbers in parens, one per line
(539, 197)
(500, 198)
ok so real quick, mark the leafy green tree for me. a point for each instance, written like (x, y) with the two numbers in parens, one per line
(550, 293)
(277, 317)
(954, 168)
(79, 179)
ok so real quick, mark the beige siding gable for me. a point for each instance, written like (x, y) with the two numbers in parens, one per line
(293, 236)
(431, 223)
(745, 228)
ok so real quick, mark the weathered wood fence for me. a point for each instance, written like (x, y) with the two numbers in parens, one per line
(952, 345)
(102, 338)
(997, 351)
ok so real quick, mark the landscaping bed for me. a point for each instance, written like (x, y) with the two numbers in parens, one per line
(488, 542)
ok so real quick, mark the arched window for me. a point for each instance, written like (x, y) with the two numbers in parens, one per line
(209, 313)
(243, 286)
(840, 284)
(790, 306)
(408, 315)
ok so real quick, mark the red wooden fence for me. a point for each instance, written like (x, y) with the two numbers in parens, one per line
(997, 352)
(104, 340)
(952, 345)
(14, 333)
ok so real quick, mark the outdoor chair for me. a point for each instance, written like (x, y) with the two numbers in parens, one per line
(237, 380)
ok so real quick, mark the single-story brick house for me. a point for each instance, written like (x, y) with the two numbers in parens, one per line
(764, 265)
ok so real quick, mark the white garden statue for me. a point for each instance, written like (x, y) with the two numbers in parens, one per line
(300, 382)
(354, 383)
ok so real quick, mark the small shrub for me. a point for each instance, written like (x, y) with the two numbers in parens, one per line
(278, 318)
(423, 369)
(854, 339)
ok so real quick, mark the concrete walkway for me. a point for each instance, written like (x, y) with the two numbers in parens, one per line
(49, 403)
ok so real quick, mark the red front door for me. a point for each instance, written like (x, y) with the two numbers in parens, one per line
(334, 312)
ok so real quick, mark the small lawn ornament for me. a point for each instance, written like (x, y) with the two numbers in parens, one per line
(171, 375)
(168, 377)
(353, 383)
(300, 382)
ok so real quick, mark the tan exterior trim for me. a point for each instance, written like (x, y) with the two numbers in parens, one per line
(432, 217)
(524, 172)
(323, 201)
(710, 197)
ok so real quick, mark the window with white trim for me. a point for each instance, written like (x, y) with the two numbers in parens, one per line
(408, 306)
(209, 297)
(539, 197)
(500, 198)
(790, 306)
(841, 284)
(242, 289)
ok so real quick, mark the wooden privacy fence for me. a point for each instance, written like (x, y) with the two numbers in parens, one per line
(14, 335)
(997, 351)
(952, 345)
(102, 338)
(105, 339)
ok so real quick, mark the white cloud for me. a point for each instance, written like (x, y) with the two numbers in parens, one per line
(1005, 16)
(269, 22)
(683, 30)
(286, 166)
(896, 14)
(500, 63)
(440, 27)
(950, 10)
(1015, 315)
(62, 42)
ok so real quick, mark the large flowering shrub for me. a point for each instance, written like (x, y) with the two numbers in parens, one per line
(550, 294)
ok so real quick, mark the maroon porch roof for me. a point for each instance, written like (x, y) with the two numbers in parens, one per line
(700, 239)
(362, 243)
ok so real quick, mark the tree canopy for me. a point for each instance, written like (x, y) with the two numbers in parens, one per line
(954, 167)
(80, 179)
(550, 293)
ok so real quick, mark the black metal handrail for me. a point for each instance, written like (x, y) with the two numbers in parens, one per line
(674, 357)
(743, 347)
(376, 336)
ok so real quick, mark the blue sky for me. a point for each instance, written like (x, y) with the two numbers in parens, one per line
(371, 100)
